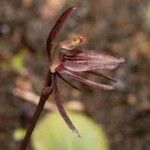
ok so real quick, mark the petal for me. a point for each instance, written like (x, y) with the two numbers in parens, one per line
(56, 28)
(102, 75)
(89, 60)
(86, 81)
(61, 108)
(68, 82)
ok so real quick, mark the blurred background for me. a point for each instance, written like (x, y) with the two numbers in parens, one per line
(121, 116)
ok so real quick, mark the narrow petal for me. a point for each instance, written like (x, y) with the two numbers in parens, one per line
(86, 81)
(61, 108)
(89, 60)
(69, 83)
(56, 28)
(102, 75)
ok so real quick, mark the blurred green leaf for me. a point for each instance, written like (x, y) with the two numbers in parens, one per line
(147, 14)
(19, 134)
(53, 134)
(17, 62)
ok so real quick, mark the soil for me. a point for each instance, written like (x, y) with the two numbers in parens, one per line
(119, 27)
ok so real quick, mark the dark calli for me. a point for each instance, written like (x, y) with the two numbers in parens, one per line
(66, 59)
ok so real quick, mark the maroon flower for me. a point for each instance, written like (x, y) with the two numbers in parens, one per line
(66, 59)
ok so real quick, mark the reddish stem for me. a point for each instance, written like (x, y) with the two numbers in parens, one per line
(44, 96)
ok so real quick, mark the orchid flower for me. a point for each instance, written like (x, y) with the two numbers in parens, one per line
(66, 59)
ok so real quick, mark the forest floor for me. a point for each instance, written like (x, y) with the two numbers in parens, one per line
(119, 27)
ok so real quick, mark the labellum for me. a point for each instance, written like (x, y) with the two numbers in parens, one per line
(67, 59)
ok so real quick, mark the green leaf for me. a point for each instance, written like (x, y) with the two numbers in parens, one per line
(17, 62)
(19, 134)
(53, 134)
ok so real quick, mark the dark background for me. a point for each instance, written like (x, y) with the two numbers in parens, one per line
(120, 27)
